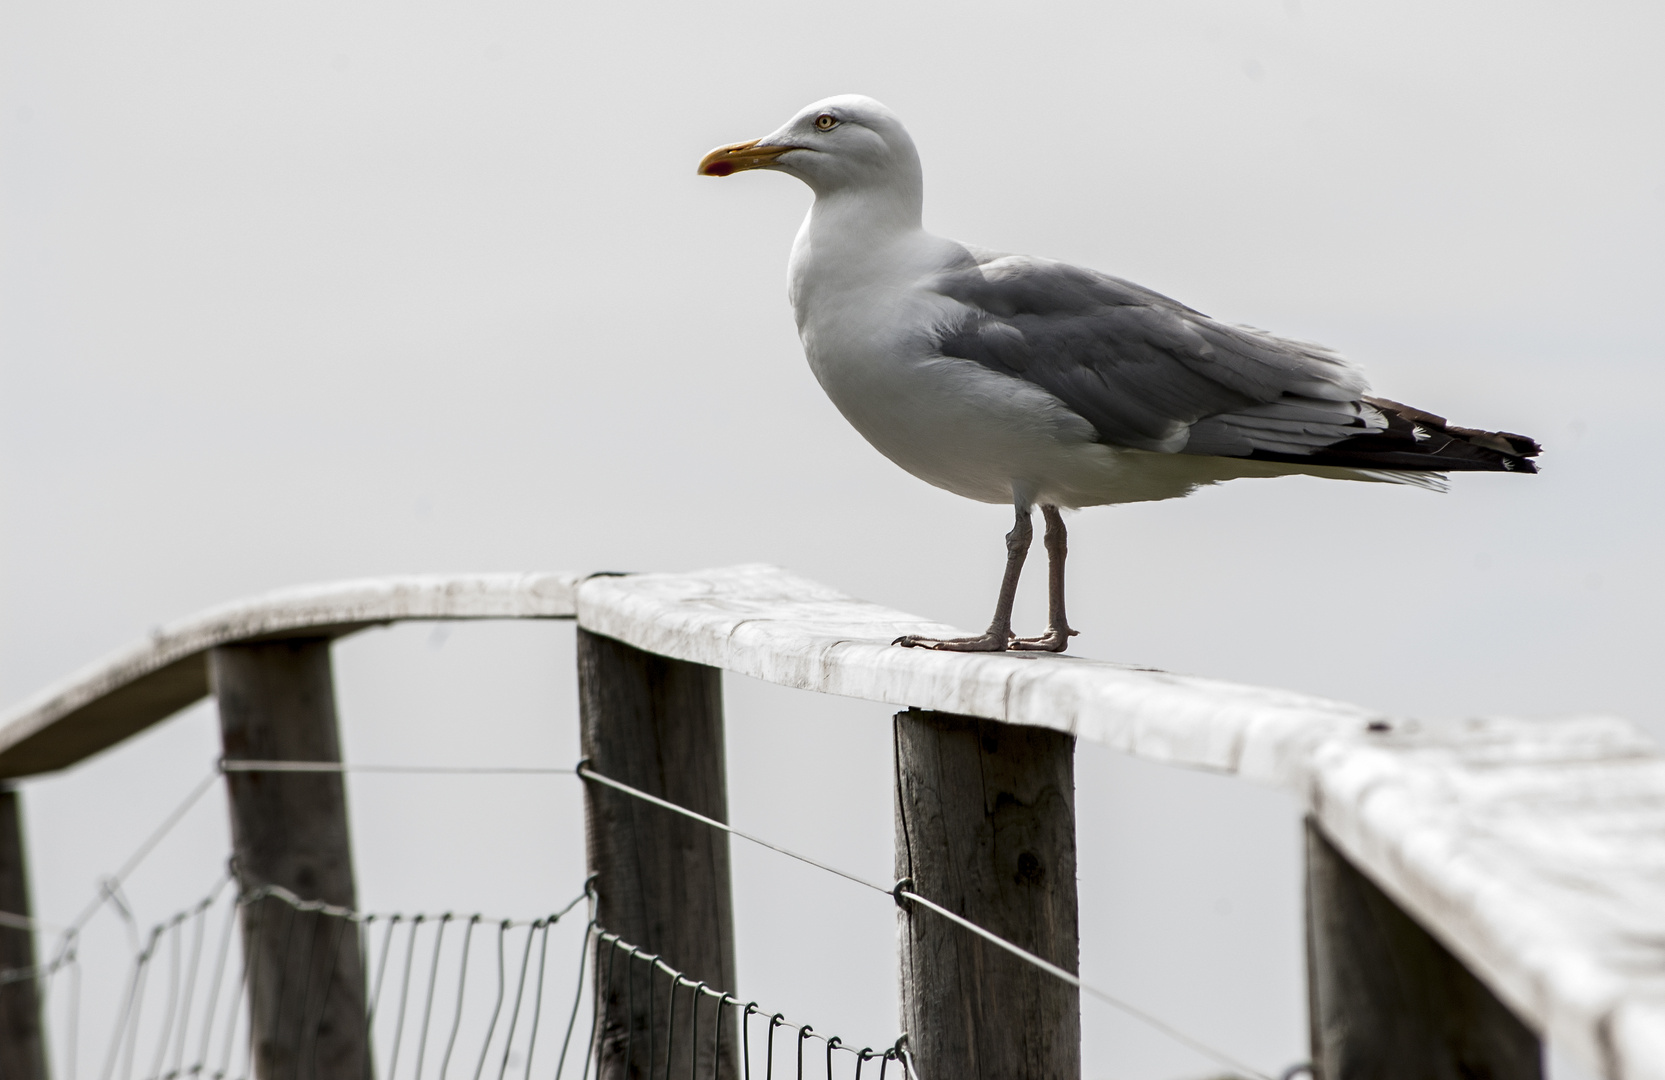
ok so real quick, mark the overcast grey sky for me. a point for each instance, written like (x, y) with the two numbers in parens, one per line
(304, 293)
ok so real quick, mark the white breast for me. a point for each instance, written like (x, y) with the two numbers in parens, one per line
(866, 317)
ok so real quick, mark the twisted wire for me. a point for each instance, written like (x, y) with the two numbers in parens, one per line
(250, 965)
(108, 888)
(164, 1014)
(176, 1022)
(283, 960)
(304, 956)
(231, 765)
(520, 990)
(699, 990)
(897, 892)
(214, 992)
(630, 1014)
(311, 1026)
(597, 1015)
(199, 926)
(462, 992)
(1219, 1057)
(535, 928)
(374, 1003)
(497, 1006)
(586, 773)
(404, 996)
(174, 976)
(73, 1022)
(141, 980)
(572, 1020)
(537, 1001)
(428, 1004)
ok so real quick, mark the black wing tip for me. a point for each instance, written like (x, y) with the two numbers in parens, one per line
(1419, 441)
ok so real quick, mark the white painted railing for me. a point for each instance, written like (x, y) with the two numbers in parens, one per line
(1533, 851)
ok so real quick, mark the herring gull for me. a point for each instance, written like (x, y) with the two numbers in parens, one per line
(1026, 381)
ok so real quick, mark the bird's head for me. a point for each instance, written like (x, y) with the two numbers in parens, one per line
(841, 143)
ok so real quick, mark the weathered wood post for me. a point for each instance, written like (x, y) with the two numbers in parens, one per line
(277, 703)
(22, 1055)
(662, 880)
(985, 826)
(1386, 1000)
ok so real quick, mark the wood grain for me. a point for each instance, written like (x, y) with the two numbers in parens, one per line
(985, 826)
(277, 703)
(662, 880)
(1387, 1000)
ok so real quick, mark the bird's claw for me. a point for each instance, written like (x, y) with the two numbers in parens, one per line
(985, 642)
(1054, 640)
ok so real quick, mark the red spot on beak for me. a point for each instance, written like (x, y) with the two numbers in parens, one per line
(719, 168)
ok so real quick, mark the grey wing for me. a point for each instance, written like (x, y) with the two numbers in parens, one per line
(1146, 371)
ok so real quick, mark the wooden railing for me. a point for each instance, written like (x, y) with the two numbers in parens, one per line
(1472, 889)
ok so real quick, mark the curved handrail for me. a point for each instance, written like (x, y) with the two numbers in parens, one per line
(128, 691)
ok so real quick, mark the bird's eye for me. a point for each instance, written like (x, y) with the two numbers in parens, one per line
(826, 121)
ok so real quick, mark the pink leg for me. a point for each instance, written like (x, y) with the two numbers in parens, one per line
(1058, 632)
(999, 633)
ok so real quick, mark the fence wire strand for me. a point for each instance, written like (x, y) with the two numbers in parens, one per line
(704, 1042)
(898, 892)
(174, 1016)
(183, 975)
(584, 772)
(246, 766)
(1219, 1057)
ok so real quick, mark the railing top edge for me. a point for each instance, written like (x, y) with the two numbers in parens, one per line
(1535, 852)
(770, 624)
(155, 677)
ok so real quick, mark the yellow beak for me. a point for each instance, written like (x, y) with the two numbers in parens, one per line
(740, 156)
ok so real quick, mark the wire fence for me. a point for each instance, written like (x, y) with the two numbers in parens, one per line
(421, 983)
(625, 1032)
(903, 892)
(441, 996)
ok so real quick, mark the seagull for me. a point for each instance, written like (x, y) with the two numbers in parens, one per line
(1026, 381)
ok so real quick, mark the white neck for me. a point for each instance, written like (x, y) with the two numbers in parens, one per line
(852, 239)
(895, 206)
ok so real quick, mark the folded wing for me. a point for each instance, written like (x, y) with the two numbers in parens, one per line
(1152, 374)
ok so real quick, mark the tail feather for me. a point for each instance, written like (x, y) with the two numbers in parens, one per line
(1419, 441)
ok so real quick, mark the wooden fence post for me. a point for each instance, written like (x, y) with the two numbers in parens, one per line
(1386, 1000)
(277, 702)
(662, 880)
(985, 826)
(22, 1055)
